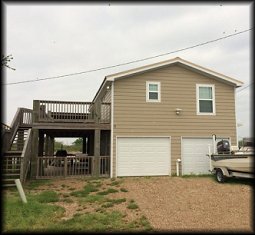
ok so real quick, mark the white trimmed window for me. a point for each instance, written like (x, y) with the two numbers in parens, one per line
(205, 99)
(153, 91)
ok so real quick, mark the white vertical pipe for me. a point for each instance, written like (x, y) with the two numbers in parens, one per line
(177, 168)
(214, 143)
(210, 160)
(21, 191)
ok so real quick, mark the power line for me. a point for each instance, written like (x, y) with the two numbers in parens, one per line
(131, 62)
(244, 87)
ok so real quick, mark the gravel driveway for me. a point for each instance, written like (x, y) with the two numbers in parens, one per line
(193, 204)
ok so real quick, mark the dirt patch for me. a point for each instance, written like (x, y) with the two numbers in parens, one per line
(169, 203)
(74, 205)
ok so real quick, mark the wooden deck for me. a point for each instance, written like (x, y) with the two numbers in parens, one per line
(71, 112)
(49, 120)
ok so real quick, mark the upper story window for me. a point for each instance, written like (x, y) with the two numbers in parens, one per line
(205, 99)
(153, 91)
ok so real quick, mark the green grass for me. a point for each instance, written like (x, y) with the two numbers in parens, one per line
(67, 200)
(40, 216)
(95, 222)
(33, 184)
(132, 205)
(141, 223)
(47, 196)
(109, 190)
(31, 216)
(111, 202)
(123, 190)
(93, 198)
(86, 191)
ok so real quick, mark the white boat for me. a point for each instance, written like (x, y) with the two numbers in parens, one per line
(234, 162)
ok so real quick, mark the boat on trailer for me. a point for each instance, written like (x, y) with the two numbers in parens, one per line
(232, 162)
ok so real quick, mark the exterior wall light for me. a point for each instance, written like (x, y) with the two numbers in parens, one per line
(178, 111)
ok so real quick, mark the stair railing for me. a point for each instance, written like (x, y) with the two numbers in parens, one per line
(26, 157)
(23, 117)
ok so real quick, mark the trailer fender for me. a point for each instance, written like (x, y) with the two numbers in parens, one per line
(224, 170)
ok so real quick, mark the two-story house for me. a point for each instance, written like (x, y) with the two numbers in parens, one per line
(168, 111)
(140, 122)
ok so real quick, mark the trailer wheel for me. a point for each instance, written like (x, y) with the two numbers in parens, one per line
(220, 177)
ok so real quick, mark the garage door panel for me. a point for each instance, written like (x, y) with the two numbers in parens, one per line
(141, 156)
(194, 159)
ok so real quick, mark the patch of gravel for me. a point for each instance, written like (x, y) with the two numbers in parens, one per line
(197, 204)
(192, 204)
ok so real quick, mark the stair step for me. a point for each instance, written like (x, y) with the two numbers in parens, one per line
(8, 185)
(11, 170)
(13, 151)
(10, 174)
(8, 181)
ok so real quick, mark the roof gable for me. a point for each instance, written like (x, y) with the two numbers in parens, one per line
(179, 61)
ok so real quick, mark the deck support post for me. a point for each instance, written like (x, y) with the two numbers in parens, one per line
(51, 146)
(35, 140)
(34, 153)
(41, 144)
(96, 165)
(47, 139)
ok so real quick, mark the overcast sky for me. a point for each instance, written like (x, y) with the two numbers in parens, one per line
(56, 39)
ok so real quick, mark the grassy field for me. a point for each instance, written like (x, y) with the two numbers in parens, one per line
(90, 206)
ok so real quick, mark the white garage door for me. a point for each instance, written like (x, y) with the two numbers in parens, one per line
(194, 159)
(143, 156)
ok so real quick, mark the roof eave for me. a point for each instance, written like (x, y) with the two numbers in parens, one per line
(132, 72)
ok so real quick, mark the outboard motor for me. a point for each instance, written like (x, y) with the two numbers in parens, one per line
(223, 147)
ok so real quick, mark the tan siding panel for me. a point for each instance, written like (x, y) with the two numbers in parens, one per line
(133, 116)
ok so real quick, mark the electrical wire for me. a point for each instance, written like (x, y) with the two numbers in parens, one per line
(131, 62)
(244, 87)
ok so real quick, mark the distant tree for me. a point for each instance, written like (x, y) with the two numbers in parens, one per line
(78, 142)
(58, 145)
(5, 60)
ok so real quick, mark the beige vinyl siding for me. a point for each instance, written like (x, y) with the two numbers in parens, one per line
(133, 116)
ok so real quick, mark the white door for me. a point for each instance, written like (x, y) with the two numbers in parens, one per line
(194, 159)
(143, 156)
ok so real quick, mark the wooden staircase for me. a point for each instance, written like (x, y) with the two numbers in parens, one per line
(16, 149)
(11, 167)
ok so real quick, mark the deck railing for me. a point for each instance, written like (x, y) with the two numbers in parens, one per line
(71, 111)
(65, 111)
(11, 164)
(26, 117)
(26, 157)
(104, 168)
(5, 127)
(52, 167)
(22, 119)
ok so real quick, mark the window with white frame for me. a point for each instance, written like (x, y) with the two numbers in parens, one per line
(205, 99)
(153, 91)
